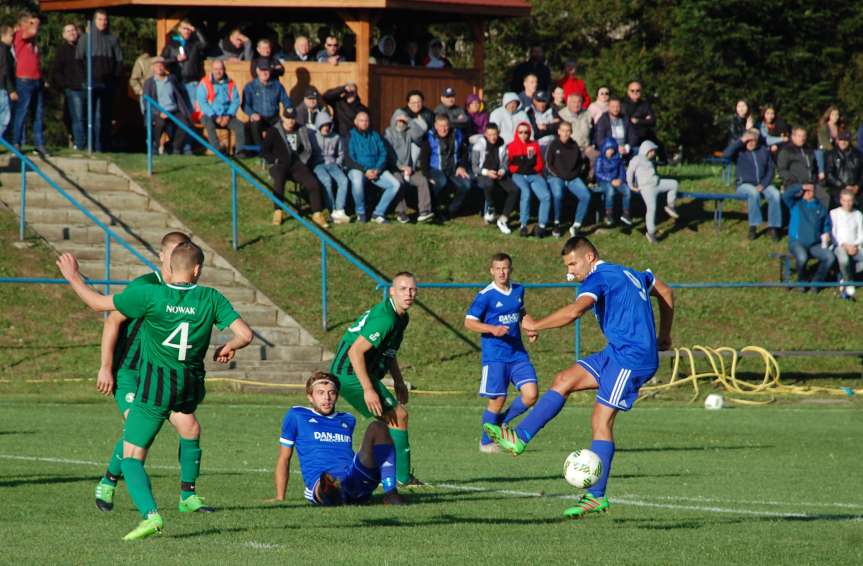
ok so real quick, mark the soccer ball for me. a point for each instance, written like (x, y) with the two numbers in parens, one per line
(582, 468)
(714, 402)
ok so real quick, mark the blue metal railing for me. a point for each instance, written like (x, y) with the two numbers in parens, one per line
(326, 240)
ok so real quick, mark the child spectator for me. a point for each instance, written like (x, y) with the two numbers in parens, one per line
(611, 179)
(328, 155)
(478, 117)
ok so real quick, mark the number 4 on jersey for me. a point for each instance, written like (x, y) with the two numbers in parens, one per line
(183, 345)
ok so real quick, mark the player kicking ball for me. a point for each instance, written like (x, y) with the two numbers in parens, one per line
(496, 312)
(178, 319)
(323, 439)
(620, 298)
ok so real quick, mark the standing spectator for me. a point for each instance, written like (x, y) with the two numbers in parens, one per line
(287, 149)
(443, 160)
(164, 88)
(844, 168)
(808, 230)
(28, 82)
(773, 129)
(478, 117)
(404, 137)
(796, 164)
(829, 126)
(328, 156)
(642, 120)
(543, 120)
(525, 165)
(308, 110)
(264, 52)
(7, 77)
(535, 65)
(563, 167)
(489, 163)
(507, 116)
(458, 118)
(302, 50)
(754, 180)
(611, 179)
(217, 99)
(558, 99)
(582, 131)
(385, 51)
(142, 69)
(435, 58)
(68, 76)
(571, 84)
(847, 232)
(613, 124)
(641, 176)
(330, 52)
(107, 68)
(599, 106)
(184, 55)
(236, 47)
(416, 108)
(411, 56)
(740, 123)
(529, 88)
(366, 159)
(261, 99)
(346, 105)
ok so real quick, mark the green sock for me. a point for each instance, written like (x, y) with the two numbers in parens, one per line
(138, 483)
(403, 454)
(189, 455)
(114, 470)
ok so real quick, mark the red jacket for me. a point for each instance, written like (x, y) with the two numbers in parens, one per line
(517, 153)
(574, 85)
(26, 57)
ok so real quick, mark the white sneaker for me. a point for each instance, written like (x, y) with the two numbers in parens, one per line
(573, 230)
(850, 290)
(502, 226)
(491, 448)
(425, 217)
(672, 212)
(339, 217)
(489, 217)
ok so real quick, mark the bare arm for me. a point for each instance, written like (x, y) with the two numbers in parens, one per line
(357, 356)
(283, 471)
(665, 294)
(561, 317)
(243, 336)
(95, 300)
(110, 333)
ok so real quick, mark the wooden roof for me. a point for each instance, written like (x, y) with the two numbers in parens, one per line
(495, 8)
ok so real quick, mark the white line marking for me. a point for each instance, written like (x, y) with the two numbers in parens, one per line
(151, 466)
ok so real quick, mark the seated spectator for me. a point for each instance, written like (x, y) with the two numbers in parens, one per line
(184, 55)
(543, 120)
(308, 110)
(829, 126)
(796, 165)
(558, 99)
(287, 149)
(302, 50)
(613, 124)
(808, 231)
(443, 160)
(236, 47)
(599, 106)
(847, 232)
(328, 157)
(416, 108)
(563, 168)
(773, 129)
(639, 114)
(404, 137)
(489, 164)
(385, 51)
(755, 171)
(142, 69)
(844, 168)
(641, 176)
(435, 58)
(7, 77)
(579, 119)
(458, 118)
(68, 76)
(261, 100)
(411, 56)
(478, 117)
(164, 88)
(366, 159)
(218, 100)
(346, 105)
(611, 179)
(534, 65)
(507, 116)
(264, 52)
(331, 51)
(740, 123)
(529, 88)
(526, 166)
(571, 84)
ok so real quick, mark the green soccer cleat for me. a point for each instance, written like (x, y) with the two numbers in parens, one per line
(195, 504)
(148, 527)
(105, 496)
(586, 505)
(506, 438)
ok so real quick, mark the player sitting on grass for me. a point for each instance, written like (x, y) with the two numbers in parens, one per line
(178, 321)
(620, 298)
(323, 438)
(496, 312)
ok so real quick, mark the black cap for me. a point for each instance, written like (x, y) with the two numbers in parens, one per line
(264, 65)
(541, 96)
(448, 91)
(289, 113)
(844, 135)
(311, 92)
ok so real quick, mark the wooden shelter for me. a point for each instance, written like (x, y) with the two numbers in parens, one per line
(381, 87)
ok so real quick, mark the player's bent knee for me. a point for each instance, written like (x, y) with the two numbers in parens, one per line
(378, 432)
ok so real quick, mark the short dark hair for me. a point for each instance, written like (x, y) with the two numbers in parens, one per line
(186, 256)
(103, 12)
(404, 274)
(414, 92)
(580, 245)
(441, 118)
(613, 99)
(319, 376)
(501, 256)
(492, 126)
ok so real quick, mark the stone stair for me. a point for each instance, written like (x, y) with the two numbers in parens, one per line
(282, 353)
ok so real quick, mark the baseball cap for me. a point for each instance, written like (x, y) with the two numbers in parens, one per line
(289, 113)
(844, 135)
(311, 92)
(264, 65)
(155, 60)
(448, 92)
(541, 96)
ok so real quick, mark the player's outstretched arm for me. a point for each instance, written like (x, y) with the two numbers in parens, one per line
(561, 317)
(357, 356)
(665, 295)
(475, 325)
(283, 471)
(243, 336)
(110, 333)
(95, 300)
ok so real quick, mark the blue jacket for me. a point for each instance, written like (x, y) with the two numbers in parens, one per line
(809, 219)
(226, 98)
(607, 169)
(366, 150)
(753, 167)
(264, 99)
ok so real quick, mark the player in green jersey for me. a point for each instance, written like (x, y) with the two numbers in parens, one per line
(365, 354)
(178, 319)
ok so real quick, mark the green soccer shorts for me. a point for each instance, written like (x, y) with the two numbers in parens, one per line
(352, 392)
(126, 384)
(146, 419)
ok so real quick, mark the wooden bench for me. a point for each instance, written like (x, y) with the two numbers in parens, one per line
(718, 199)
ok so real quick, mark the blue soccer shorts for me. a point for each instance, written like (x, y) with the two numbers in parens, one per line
(618, 386)
(358, 483)
(496, 377)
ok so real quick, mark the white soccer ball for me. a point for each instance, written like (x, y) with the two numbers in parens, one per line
(582, 468)
(714, 402)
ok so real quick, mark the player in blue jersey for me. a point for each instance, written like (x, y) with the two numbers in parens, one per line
(323, 439)
(620, 299)
(496, 312)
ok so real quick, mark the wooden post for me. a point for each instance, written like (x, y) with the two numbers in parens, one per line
(477, 26)
(164, 24)
(360, 24)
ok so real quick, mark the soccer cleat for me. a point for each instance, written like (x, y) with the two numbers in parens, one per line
(506, 438)
(413, 482)
(195, 504)
(393, 498)
(586, 505)
(490, 448)
(148, 527)
(105, 496)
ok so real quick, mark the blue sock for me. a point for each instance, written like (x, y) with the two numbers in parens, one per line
(548, 406)
(491, 418)
(605, 450)
(515, 409)
(385, 458)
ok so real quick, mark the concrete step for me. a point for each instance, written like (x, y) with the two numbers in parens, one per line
(45, 197)
(288, 336)
(92, 234)
(256, 315)
(91, 252)
(211, 276)
(69, 214)
(94, 182)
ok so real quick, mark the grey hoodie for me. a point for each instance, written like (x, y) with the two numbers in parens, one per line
(404, 144)
(641, 173)
(326, 149)
(506, 121)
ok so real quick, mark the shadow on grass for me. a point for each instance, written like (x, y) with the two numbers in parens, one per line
(40, 352)
(11, 432)
(45, 480)
(455, 520)
(698, 448)
(208, 532)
